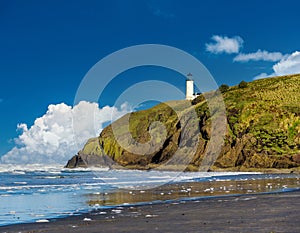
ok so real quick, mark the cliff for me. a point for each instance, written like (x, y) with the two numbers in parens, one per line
(262, 131)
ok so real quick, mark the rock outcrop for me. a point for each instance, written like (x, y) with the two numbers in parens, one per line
(262, 131)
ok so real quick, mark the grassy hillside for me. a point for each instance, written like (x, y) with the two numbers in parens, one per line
(263, 129)
(268, 109)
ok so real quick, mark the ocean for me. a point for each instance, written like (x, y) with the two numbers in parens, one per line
(37, 193)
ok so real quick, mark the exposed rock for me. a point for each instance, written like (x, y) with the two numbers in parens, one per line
(82, 160)
(263, 131)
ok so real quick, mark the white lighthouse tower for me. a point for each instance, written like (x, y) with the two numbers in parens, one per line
(189, 94)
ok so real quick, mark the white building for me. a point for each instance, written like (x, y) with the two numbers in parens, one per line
(189, 94)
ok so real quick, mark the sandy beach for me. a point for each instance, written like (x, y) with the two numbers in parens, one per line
(278, 212)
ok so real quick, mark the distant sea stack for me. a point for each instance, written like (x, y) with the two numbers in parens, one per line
(263, 131)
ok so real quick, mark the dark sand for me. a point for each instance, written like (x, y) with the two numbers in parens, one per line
(279, 212)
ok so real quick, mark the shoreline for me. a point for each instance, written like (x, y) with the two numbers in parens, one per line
(261, 212)
(191, 168)
(154, 188)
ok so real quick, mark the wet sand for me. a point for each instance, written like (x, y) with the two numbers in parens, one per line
(278, 212)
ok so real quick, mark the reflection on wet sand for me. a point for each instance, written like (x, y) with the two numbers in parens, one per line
(192, 189)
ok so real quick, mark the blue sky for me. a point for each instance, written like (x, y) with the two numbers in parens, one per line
(46, 47)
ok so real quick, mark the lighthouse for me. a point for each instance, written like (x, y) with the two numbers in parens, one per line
(189, 94)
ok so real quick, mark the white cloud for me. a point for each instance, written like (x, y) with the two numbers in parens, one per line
(289, 64)
(259, 56)
(260, 76)
(224, 44)
(60, 133)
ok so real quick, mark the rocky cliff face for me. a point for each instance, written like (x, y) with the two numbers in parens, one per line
(262, 131)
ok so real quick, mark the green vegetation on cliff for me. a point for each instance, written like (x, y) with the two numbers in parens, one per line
(263, 129)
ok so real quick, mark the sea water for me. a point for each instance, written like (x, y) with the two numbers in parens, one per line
(38, 192)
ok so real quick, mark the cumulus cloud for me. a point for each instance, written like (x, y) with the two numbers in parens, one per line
(289, 64)
(260, 76)
(259, 56)
(224, 44)
(60, 132)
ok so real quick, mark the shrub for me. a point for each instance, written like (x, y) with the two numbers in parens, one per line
(243, 84)
(197, 100)
(223, 88)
